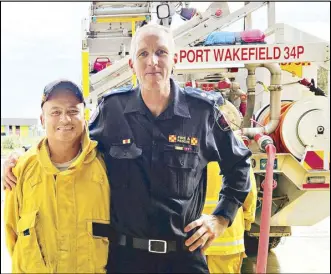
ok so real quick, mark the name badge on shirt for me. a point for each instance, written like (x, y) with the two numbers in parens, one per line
(193, 141)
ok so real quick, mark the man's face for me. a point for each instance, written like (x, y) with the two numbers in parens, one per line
(63, 117)
(154, 59)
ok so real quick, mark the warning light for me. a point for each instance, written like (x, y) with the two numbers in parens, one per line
(218, 12)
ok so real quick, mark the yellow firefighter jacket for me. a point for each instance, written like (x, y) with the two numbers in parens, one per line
(55, 221)
(232, 241)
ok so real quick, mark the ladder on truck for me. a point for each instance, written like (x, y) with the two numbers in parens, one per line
(106, 37)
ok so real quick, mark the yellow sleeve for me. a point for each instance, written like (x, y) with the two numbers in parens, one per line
(249, 205)
(11, 215)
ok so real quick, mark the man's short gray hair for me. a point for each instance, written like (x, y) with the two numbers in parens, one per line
(150, 28)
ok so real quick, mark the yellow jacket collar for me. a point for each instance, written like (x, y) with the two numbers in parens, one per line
(87, 155)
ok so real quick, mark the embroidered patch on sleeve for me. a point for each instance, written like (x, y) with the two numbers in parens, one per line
(222, 122)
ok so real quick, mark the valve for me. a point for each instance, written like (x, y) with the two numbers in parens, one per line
(263, 141)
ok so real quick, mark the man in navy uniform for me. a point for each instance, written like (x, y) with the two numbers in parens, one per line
(157, 139)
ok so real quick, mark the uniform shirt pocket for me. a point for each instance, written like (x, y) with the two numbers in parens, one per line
(121, 158)
(125, 152)
(98, 231)
(181, 160)
(30, 242)
(32, 189)
(180, 173)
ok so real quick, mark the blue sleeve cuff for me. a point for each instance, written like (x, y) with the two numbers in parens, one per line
(227, 209)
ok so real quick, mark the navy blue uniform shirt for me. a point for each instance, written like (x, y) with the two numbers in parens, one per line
(157, 166)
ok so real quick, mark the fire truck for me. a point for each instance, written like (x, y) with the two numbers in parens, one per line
(268, 83)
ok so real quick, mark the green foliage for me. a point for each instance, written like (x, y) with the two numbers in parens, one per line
(10, 142)
(322, 79)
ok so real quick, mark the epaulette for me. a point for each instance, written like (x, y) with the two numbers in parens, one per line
(211, 97)
(107, 95)
(118, 91)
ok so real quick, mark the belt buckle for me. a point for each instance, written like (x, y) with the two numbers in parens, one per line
(150, 249)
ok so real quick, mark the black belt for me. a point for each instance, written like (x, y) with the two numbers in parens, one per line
(150, 245)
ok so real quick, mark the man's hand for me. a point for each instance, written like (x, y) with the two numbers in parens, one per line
(8, 178)
(210, 228)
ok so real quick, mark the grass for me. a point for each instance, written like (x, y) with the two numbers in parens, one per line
(18, 143)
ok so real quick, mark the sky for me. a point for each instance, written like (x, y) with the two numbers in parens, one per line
(41, 42)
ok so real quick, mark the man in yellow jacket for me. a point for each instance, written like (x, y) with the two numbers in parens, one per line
(57, 216)
(226, 253)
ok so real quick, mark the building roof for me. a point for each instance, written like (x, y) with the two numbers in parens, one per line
(19, 121)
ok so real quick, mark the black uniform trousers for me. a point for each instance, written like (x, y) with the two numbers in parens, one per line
(131, 260)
